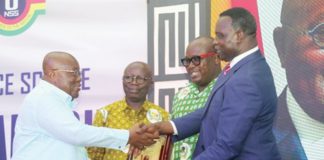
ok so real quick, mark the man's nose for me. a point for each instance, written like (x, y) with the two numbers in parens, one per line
(78, 78)
(191, 65)
(134, 80)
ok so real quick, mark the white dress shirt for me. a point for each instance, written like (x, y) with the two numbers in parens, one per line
(47, 129)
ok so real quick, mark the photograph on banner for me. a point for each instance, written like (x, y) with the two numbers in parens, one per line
(292, 33)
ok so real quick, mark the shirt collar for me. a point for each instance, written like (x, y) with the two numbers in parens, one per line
(238, 58)
(66, 97)
(194, 87)
(301, 120)
(144, 107)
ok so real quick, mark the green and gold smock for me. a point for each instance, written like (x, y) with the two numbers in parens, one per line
(121, 116)
(186, 101)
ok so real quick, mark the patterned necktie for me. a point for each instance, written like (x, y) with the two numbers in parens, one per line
(227, 69)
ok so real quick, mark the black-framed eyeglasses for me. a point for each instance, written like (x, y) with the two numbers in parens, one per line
(317, 33)
(195, 59)
(74, 72)
(137, 79)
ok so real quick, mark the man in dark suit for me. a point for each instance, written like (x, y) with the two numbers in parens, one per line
(299, 126)
(237, 120)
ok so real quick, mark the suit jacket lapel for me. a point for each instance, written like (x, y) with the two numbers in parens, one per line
(222, 79)
(220, 82)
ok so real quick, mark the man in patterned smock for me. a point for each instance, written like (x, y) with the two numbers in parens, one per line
(203, 66)
(123, 114)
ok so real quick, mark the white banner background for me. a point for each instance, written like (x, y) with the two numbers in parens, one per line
(104, 35)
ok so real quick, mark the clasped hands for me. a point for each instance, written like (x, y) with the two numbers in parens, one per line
(142, 135)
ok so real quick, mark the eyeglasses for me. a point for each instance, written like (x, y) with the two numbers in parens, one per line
(75, 72)
(195, 59)
(137, 79)
(317, 33)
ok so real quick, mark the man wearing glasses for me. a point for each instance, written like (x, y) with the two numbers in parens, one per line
(46, 127)
(299, 126)
(203, 66)
(238, 118)
(125, 113)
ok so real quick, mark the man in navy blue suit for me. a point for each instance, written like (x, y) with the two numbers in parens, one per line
(238, 118)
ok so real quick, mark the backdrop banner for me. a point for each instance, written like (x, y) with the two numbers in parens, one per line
(105, 36)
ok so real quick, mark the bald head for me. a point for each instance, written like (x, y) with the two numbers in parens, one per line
(203, 72)
(62, 70)
(137, 80)
(294, 11)
(201, 45)
(301, 54)
(139, 65)
(57, 60)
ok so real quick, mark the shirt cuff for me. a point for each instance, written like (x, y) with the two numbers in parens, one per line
(175, 131)
(120, 138)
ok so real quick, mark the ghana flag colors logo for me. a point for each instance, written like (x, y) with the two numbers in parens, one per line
(16, 16)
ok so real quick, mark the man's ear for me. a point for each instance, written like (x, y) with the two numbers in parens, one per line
(239, 36)
(151, 87)
(217, 60)
(152, 82)
(279, 42)
(51, 74)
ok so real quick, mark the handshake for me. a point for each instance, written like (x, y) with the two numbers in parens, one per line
(141, 135)
(145, 135)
